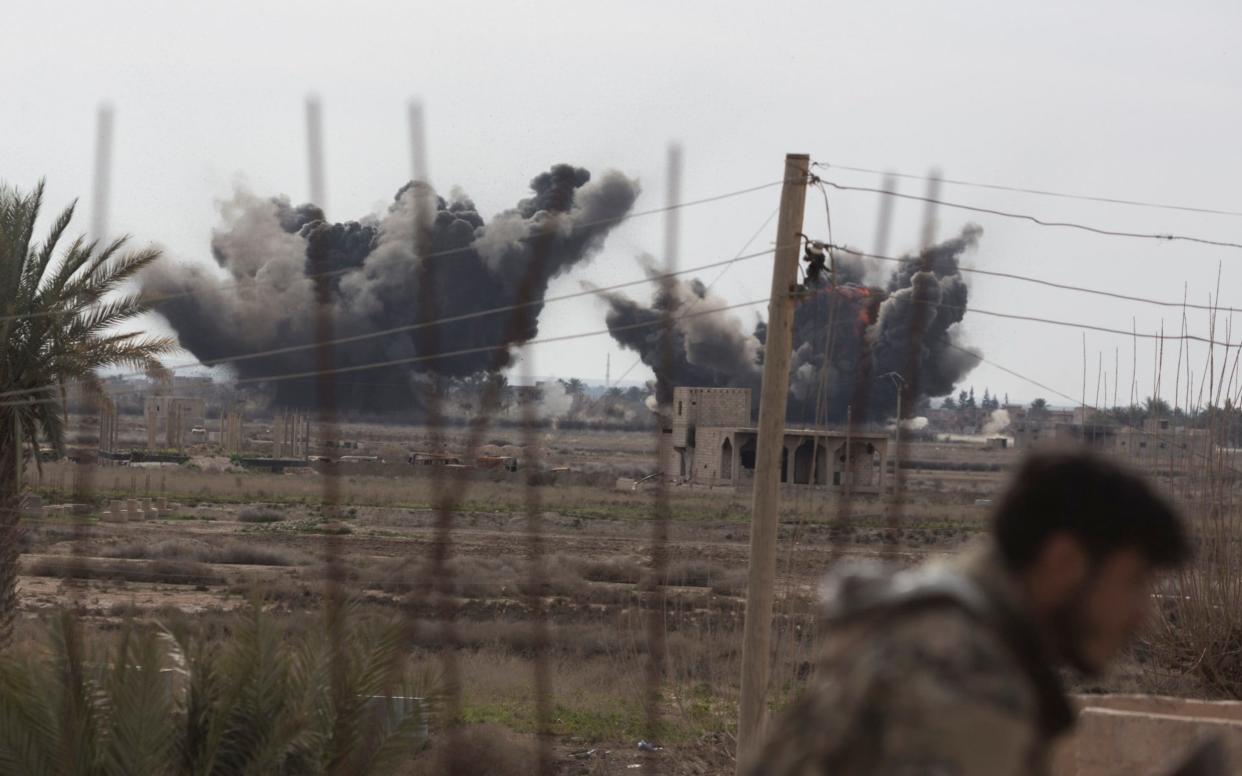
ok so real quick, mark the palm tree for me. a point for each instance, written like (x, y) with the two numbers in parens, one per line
(573, 386)
(58, 320)
(1039, 408)
(1154, 407)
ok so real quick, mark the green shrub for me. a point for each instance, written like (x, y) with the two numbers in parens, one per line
(155, 702)
(259, 516)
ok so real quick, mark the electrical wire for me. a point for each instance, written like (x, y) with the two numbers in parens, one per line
(157, 299)
(437, 356)
(707, 289)
(1044, 282)
(486, 348)
(1037, 220)
(726, 263)
(1088, 326)
(1062, 394)
(1039, 192)
(688, 313)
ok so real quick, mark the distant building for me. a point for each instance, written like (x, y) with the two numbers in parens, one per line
(107, 425)
(1156, 443)
(291, 435)
(506, 462)
(232, 431)
(432, 459)
(710, 440)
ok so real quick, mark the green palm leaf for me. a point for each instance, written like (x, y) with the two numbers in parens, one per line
(59, 316)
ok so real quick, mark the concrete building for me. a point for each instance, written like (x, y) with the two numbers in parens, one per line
(1161, 444)
(432, 459)
(1031, 433)
(1156, 443)
(170, 418)
(710, 440)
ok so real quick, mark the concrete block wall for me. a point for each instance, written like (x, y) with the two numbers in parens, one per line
(707, 454)
(722, 406)
(1142, 735)
(699, 407)
(669, 457)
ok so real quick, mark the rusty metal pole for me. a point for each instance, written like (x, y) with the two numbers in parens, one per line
(760, 588)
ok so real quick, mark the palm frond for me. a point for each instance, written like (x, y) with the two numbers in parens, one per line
(76, 699)
(107, 273)
(28, 729)
(101, 317)
(52, 287)
(159, 702)
(17, 222)
(43, 256)
(140, 733)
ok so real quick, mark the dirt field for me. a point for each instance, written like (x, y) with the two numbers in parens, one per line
(232, 537)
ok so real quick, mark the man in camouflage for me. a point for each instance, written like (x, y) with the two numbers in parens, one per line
(951, 669)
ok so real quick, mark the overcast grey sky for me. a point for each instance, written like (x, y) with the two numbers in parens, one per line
(1140, 100)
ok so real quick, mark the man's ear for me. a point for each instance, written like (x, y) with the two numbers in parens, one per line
(1060, 567)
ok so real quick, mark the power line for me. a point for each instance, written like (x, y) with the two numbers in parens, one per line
(486, 348)
(688, 314)
(1071, 399)
(1043, 282)
(634, 364)
(157, 299)
(647, 324)
(1090, 327)
(477, 313)
(726, 263)
(436, 356)
(1037, 220)
(1039, 192)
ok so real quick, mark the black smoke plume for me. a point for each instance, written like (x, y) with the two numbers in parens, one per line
(273, 254)
(906, 325)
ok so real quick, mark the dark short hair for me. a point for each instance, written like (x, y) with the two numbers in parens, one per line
(1103, 505)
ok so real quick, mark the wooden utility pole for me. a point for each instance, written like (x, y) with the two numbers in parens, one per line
(756, 649)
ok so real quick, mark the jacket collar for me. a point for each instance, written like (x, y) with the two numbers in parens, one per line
(1017, 627)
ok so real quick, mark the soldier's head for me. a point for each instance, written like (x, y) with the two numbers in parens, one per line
(1086, 539)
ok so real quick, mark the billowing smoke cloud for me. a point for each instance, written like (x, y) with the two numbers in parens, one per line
(701, 350)
(276, 259)
(847, 337)
(554, 401)
(997, 423)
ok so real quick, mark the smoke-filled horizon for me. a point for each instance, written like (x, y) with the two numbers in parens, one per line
(270, 249)
(907, 325)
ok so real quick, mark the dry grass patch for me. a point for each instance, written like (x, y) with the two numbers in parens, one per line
(616, 570)
(229, 552)
(473, 577)
(482, 750)
(250, 515)
(160, 571)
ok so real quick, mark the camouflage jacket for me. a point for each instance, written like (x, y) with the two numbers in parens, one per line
(928, 672)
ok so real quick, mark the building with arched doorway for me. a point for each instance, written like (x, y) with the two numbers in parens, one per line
(711, 441)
